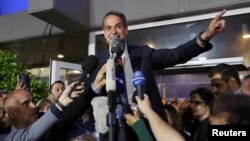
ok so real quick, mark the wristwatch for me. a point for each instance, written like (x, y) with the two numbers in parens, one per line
(204, 41)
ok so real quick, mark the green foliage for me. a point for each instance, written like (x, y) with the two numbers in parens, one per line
(10, 67)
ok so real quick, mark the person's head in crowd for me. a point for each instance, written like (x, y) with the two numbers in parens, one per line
(20, 108)
(186, 115)
(4, 119)
(183, 105)
(231, 109)
(2, 111)
(55, 90)
(201, 100)
(43, 105)
(174, 118)
(114, 23)
(224, 80)
(23, 114)
(174, 103)
(245, 86)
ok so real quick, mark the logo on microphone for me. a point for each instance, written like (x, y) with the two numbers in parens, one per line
(137, 74)
(138, 78)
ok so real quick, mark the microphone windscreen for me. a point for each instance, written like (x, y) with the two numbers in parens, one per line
(117, 46)
(110, 76)
(100, 111)
(138, 79)
(90, 64)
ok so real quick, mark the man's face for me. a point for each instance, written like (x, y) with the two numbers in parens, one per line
(57, 91)
(25, 112)
(113, 25)
(219, 86)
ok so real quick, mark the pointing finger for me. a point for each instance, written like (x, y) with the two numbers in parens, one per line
(220, 14)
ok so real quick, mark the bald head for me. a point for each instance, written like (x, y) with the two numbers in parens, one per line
(14, 97)
(20, 108)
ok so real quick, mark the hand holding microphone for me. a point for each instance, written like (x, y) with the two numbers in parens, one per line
(139, 82)
(68, 95)
(100, 79)
(117, 49)
(144, 105)
(88, 67)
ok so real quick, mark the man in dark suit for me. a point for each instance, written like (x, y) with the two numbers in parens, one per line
(147, 59)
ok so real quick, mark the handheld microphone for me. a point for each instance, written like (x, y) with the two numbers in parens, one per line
(100, 110)
(88, 66)
(110, 76)
(117, 47)
(139, 82)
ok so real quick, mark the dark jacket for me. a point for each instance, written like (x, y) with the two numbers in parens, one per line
(148, 60)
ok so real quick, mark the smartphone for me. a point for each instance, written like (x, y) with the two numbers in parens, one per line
(25, 79)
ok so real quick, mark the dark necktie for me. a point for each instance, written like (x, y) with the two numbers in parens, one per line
(121, 91)
(120, 79)
(120, 82)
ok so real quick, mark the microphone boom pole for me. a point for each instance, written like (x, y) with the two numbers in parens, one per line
(111, 89)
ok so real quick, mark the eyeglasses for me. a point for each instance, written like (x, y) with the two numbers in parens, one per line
(196, 102)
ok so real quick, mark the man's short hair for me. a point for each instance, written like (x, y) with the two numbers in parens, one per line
(116, 13)
(226, 71)
(56, 82)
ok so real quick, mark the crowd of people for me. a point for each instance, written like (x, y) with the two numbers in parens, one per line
(68, 115)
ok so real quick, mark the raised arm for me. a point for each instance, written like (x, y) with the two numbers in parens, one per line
(38, 128)
(160, 128)
(216, 25)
